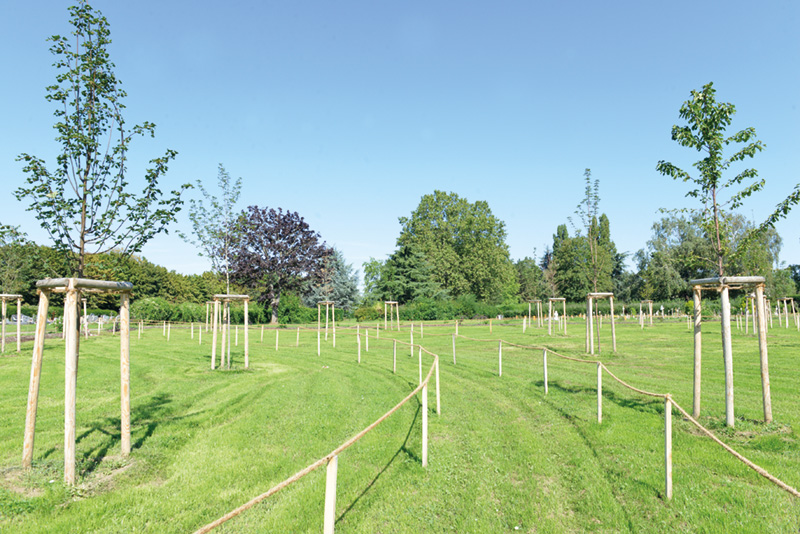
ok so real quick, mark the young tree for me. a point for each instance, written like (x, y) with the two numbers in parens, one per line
(276, 251)
(85, 203)
(705, 132)
(214, 226)
(600, 250)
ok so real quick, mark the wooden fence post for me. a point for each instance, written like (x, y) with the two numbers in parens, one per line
(412, 339)
(438, 395)
(727, 355)
(19, 325)
(613, 330)
(366, 339)
(192, 329)
(330, 496)
(500, 358)
(70, 381)
(247, 335)
(668, 447)
(544, 364)
(762, 349)
(599, 392)
(425, 425)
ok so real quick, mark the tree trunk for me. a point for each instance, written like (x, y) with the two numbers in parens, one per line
(274, 305)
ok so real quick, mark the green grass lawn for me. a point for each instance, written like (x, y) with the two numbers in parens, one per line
(503, 456)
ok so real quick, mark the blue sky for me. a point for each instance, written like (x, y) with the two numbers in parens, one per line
(349, 112)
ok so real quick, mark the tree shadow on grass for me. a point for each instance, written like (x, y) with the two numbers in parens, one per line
(402, 450)
(649, 405)
(601, 462)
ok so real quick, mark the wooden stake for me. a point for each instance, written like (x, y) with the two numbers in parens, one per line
(125, 372)
(214, 336)
(425, 425)
(500, 358)
(412, 342)
(550, 319)
(19, 325)
(438, 396)
(70, 381)
(727, 355)
(668, 448)
(36, 373)
(599, 392)
(544, 364)
(613, 330)
(762, 349)
(698, 353)
(192, 329)
(330, 496)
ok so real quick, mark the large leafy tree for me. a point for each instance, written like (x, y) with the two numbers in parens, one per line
(276, 251)
(464, 245)
(719, 191)
(213, 225)
(594, 235)
(531, 278)
(17, 260)
(85, 203)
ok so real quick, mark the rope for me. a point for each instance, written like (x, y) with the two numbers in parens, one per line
(322, 461)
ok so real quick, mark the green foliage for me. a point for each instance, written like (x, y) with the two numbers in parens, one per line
(85, 204)
(337, 283)
(17, 256)
(292, 311)
(464, 244)
(531, 280)
(152, 309)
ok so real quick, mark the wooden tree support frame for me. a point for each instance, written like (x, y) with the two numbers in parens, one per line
(723, 285)
(222, 322)
(73, 289)
(786, 301)
(330, 306)
(392, 307)
(563, 302)
(591, 298)
(649, 312)
(4, 298)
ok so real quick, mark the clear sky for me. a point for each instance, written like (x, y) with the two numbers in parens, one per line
(349, 112)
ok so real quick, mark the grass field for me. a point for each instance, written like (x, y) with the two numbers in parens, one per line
(503, 456)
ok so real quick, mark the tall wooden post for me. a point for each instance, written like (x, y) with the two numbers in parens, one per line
(550, 319)
(727, 355)
(19, 325)
(36, 373)
(698, 353)
(70, 380)
(613, 331)
(333, 313)
(214, 336)
(327, 309)
(330, 496)
(762, 349)
(438, 396)
(500, 358)
(3, 327)
(225, 334)
(599, 392)
(544, 365)
(86, 321)
(668, 448)
(247, 335)
(125, 372)
(425, 425)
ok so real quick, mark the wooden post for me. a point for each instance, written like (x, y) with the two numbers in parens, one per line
(425, 425)
(3, 327)
(366, 339)
(438, 396)
(456, 326)
(86, 321)
(524, 325)
(384, 316)
(591, 327)
(394, 357)
(650, 307)
(550, 318)
(613, 331)
(277, 332)
(412, 341)
(224, 312)
(192, 329)
(169, 329)
(668, 448)
(539, 313)
(762, 349)
(247, 335)
(214, 336)
(333, 318)
(36, 373)
(228, 326)
(125, 372)
(544, 364)
(454, 349)
(420, 365)
(327, 309)
(70, 380)
(500, 358)
(746, 316)
(164, 333)
(206, 316)
(727, 355)
(599, 392)
(698, 353)
(330, 496)
(786, 312)
(19, 325)
(564, 314)
(490, 326)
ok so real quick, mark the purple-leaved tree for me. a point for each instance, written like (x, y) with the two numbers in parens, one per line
(276, 252)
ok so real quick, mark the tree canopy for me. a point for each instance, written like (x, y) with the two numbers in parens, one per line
(276, 251)
(85, 203)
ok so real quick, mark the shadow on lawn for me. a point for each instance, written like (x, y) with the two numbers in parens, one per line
(610, 474)
(402, 450)
(646, 405)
